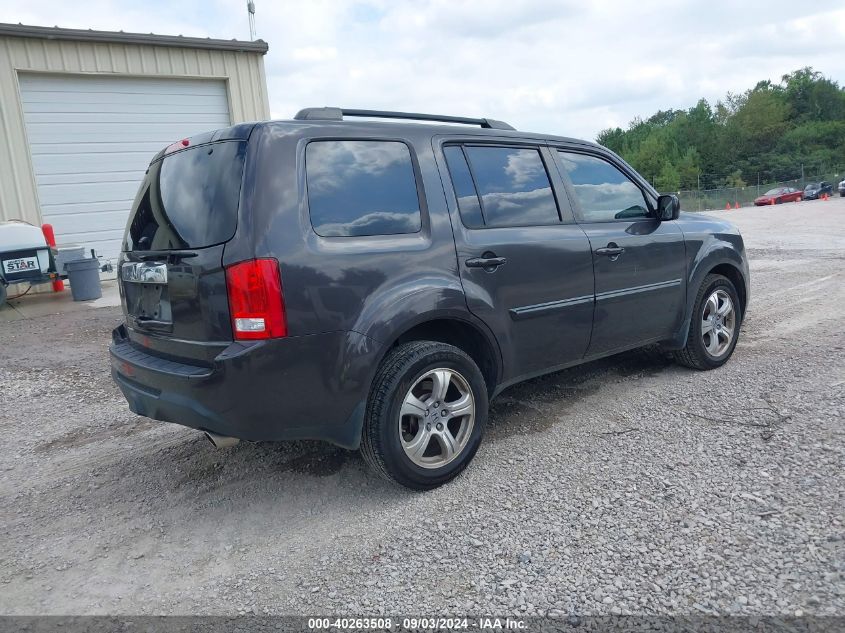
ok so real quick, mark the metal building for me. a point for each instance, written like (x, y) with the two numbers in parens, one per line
(82, 112)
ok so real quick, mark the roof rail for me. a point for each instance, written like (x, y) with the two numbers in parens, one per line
(337, 114)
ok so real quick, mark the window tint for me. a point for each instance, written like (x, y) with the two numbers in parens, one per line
(468, 203)
(188, 199)
(361, 188)
(513, 185)
(605, 193)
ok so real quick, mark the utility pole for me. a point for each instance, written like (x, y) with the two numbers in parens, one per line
(698, 176)
(250, 7)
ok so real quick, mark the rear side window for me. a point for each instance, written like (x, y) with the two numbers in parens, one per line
(188, 199)
(603, 191)
(512, 185)
(358, 188)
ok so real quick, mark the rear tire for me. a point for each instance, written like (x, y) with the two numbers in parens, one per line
(716, 310)
(409, 440)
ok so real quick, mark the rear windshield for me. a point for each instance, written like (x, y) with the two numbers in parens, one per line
(188, 199)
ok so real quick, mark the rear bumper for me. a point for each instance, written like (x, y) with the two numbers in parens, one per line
(306, 387)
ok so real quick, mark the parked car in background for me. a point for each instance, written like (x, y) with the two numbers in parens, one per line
(842, 188)
(374, 284)
(815, 190)
(778, 195)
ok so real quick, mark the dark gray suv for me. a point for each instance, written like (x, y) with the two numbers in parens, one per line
(375, 283)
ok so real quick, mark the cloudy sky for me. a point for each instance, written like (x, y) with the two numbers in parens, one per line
(564, 67)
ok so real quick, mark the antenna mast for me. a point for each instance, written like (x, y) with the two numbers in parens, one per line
(250, 7)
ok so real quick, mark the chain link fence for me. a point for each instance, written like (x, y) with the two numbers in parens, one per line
(714, 199)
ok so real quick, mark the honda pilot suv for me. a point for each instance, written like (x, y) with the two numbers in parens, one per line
(375, 284)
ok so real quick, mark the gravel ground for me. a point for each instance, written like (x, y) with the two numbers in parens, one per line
(627, 485)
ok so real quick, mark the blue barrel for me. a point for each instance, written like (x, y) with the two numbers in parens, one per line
(84, 278)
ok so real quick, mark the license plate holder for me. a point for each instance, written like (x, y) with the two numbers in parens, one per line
(146, 292)
(145, 300)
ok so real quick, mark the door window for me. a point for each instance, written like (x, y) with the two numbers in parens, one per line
(511, 184)
(469, 204)
(605, 193)
(361, 188)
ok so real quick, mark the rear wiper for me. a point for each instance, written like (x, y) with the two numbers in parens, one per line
(168, 254)
(156, 325)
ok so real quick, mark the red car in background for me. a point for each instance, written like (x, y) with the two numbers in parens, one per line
(781, 194)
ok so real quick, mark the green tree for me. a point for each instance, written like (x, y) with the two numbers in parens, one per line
(689, 168)
(669, 179)
(812, 97)
(768, 130)
(612, 138)
(653, 153)
(759, 122)
(735, 180)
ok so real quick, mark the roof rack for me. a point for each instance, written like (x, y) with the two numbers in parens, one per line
(337, 114)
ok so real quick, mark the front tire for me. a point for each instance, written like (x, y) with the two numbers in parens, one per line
(425, 415)
(714, 328)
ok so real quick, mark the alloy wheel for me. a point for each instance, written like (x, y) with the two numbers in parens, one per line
(718, 323)
(436, 418)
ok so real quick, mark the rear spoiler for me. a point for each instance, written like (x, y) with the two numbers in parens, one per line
(239, 132)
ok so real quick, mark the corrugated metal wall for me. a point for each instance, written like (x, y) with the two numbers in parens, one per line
(244, 73)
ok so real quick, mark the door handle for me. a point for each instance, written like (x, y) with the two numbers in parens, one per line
(488, 262)
(611, 250)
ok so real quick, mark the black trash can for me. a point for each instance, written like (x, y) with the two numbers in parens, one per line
(84, 278)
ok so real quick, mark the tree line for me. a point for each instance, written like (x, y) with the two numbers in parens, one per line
(764, 134)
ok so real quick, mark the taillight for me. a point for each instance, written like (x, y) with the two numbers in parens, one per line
(256, 302)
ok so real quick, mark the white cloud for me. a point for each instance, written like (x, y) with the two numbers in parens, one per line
(570, 68)
(314, 53)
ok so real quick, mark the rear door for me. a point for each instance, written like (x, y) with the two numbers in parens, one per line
(639, 261)
(172, 280)
(525, 265)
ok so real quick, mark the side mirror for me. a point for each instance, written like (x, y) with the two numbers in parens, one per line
(668, 207)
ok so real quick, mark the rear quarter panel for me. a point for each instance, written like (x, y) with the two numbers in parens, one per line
(377, 286)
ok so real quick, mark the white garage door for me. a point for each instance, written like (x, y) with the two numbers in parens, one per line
(91, 139)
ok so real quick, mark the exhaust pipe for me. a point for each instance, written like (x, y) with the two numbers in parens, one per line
(221, 441)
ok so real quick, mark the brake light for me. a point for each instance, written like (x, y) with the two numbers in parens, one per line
(177, 145)
(256, 303)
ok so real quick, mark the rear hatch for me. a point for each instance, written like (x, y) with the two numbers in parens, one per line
(171, 277)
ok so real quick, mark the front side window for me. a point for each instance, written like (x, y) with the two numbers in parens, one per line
(603, 191)
(358, 188)
(513, 186)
